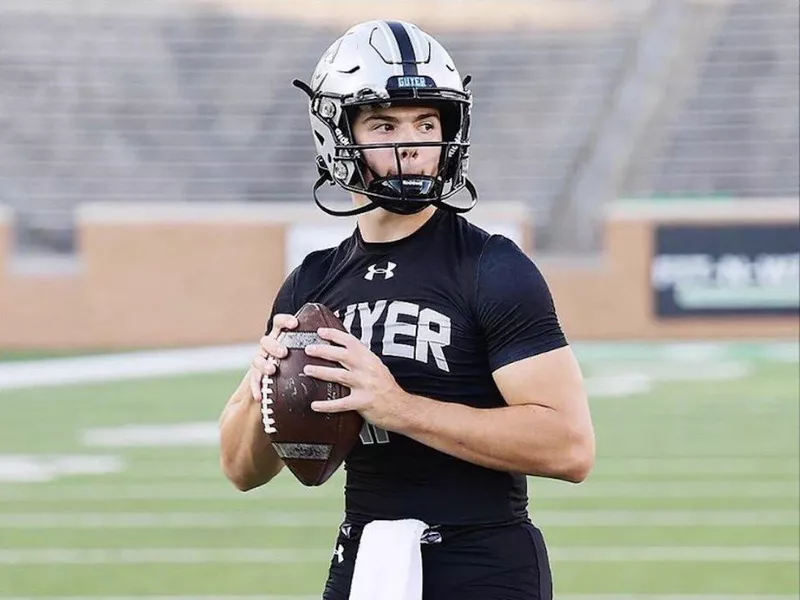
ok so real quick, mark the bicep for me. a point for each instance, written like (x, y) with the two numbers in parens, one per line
(552, 380)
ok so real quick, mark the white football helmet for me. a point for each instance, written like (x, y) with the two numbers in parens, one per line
(382, 63)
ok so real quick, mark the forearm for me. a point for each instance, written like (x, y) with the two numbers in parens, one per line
(529, 439)
(247, 457)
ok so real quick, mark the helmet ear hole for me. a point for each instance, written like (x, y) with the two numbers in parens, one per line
(350, 115)
(450, 116)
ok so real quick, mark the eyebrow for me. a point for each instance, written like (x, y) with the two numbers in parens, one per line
(390, 119)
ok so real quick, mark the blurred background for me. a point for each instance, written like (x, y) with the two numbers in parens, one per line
(155, 162)
(577, 103)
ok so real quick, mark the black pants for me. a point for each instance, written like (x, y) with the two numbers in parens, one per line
(507, 562)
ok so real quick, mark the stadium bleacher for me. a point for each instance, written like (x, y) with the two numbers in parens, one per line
(736, 134)
(192, 102)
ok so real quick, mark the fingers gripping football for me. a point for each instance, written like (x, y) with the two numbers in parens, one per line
(311, 444)
(270, 351)
(373, 390)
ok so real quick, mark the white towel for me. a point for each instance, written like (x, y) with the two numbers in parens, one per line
(389, 561)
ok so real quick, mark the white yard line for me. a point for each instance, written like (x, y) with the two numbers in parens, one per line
(305, 519)
(206, 491)
(162, 556)
(215, 597)
(667, 489)
(202, 491)
(330, 519)
(117, 367)
(695, 466)
(749, 554)
(673, 597)
(316, 597)
(143, 364)
(631, 379)
(666, 518)
(158, 468)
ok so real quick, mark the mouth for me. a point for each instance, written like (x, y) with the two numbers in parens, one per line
(408, 174)
(407, 187)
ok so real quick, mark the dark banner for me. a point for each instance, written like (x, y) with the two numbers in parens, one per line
(726, 270)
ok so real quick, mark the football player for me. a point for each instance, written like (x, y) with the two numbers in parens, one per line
(455, 356)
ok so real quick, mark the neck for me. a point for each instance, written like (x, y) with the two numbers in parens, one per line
(380, 225)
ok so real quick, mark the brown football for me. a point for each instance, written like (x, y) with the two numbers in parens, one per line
(312, 445)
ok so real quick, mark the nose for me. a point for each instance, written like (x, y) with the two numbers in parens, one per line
(408, 153)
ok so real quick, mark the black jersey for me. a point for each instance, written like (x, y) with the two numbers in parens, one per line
(443, 308)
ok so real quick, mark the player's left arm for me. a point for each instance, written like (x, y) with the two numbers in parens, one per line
(545, 430)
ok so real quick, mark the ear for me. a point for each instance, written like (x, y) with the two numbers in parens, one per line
(354, 112)
(352, 115)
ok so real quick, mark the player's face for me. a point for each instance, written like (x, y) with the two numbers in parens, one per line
(400, 124)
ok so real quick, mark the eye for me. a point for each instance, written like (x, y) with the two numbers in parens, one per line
(427, 126)
(384, 127)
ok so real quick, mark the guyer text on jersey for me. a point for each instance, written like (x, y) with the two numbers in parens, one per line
(409, 330)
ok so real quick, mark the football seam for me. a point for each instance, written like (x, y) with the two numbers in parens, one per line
(266, 405)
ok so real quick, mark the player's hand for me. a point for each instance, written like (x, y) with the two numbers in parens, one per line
(270, 351)
(374, 392)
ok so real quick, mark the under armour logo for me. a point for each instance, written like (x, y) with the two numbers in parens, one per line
(431, 536)
(373, 270)
(338, 554)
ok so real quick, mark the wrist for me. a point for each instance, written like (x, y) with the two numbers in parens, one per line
(252, 392)
(403, 401)
(410, 417)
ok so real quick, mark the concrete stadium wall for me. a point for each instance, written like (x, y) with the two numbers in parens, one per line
(176, 275)
(612, 298)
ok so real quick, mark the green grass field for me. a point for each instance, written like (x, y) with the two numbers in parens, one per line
(694, 496)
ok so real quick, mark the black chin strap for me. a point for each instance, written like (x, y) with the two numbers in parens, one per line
(325, 177)
(338, 213)
(460, 209)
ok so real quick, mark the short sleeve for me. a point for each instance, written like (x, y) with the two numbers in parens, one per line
(514, 305)
(284, 302)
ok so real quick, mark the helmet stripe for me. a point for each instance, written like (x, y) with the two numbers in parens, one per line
(407, 55)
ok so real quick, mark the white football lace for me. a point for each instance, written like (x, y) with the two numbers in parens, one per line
(266, 405)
